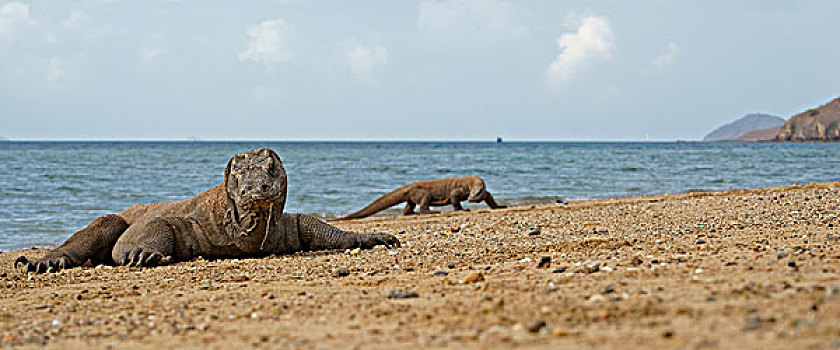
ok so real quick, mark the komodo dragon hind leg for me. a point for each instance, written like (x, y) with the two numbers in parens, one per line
(409, 208)
(92, 243)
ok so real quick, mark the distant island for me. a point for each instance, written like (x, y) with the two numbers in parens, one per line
(748, 128)
(816, 124)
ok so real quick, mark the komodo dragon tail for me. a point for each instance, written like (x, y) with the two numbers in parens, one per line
(389, 200)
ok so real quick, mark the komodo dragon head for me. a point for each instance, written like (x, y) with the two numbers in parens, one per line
(477, 190)
(255, 183)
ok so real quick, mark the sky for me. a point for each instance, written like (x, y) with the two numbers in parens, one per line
(408, 70)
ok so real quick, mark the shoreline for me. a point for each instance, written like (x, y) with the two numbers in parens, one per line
(744, 268)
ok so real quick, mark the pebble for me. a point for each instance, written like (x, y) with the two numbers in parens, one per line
(356, 251)
(701, 241)
(450, 265)
(441, 273)
(395, 294)
(526, 260)
(559, 270)
(590, 266)
(341, 272)
(561, 332)
(595, 298)
(752, 322)
(781, 255)
(535, 326)
(535, 232)
(545, 262)
(473, 277)
(609, 288)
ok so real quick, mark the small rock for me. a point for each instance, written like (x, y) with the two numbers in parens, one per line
(545, 262)
(526, 260)
(561, 332)
(752, 323)
(781, 255)
(535, 326)
(609, 288)
(356, 251)
(535, 232)
(590, 266)
(636, 261)
(473, 277)
(341, 272)
(791, 264)
(596, 298)
(559, 270)
(441, 273)
(450, 265)
(10, 339)
(395, 294)
(701, 241)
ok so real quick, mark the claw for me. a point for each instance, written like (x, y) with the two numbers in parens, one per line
(21, 260)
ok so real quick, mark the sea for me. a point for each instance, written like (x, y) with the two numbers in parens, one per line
(52, 189)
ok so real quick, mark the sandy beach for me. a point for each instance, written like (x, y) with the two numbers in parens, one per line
(746, 269)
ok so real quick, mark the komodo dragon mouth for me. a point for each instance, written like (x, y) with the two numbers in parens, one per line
(256, 188)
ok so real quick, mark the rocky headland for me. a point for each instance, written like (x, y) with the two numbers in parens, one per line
(816, 124)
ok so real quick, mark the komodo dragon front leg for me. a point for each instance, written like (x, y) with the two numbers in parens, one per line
(92, 243)
(455, 198)
(488, 198)
(315, 234)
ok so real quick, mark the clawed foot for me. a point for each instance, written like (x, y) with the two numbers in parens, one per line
(48, 263)
(144, 257)
(369, 240)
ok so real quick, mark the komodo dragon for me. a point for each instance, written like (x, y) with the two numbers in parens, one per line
(433, 192)
(241, 217)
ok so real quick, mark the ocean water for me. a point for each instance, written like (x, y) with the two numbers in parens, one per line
(52, 189)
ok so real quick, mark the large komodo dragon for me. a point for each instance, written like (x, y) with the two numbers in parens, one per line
(241, 217)
(433, 192)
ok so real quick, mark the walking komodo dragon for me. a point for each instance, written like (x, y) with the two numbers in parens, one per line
(433, 192)
(241, 217)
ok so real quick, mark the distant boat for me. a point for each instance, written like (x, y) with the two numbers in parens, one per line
(499, 139)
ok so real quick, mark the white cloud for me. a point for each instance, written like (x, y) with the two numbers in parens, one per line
(14, 16)
(363, 59)
(269, 42)
(667, 58)
(593, 41)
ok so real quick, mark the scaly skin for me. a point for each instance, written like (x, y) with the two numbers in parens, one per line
(241, 217)
(433, 192)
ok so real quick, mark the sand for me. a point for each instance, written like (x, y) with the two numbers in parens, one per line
(746, 269)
